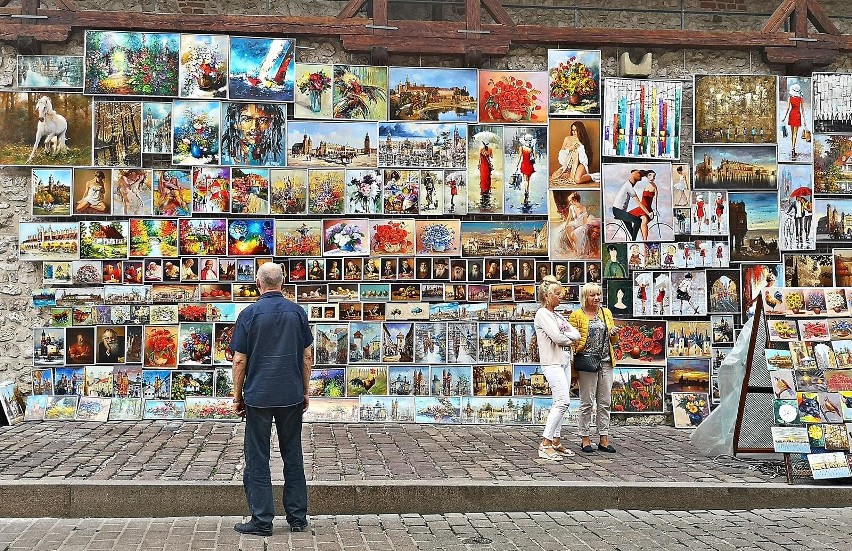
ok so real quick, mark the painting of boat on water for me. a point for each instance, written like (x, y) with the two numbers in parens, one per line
(262, 68)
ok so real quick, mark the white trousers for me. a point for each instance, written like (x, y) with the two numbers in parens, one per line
(559, 378)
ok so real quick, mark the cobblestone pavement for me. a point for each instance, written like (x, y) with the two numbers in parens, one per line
(794, 529)
(155, 450)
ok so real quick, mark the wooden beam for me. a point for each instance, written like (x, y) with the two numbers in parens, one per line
(792, 55)
(781, 14)
(498, 12)
(800, 19)
(10, 32)
(4, 3)
(351, 8)
(401, 45)
(65, 4)
(820, 19)
(380, 12)
(29, 7)
(473, 14)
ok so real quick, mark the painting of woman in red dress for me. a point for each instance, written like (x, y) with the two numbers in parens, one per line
(649, 193)
(795, 115)
(486, 155)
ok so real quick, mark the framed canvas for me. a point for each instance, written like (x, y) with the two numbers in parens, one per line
(50, 72)
(156, 127)
(364, 191)
(637, 202)
(721, 167)
(250, 191)
(210, 408)
(332, 144)
(688, 375)
(832, 107)
(429, 94)
(438, 409)
(250, 237)
(101, 240)
(690, 409)
(262, 69)
(384, 409)
(832, 172)
(163, 409)
(132, 192)
(642, 118)
(735, 108)
(796, 207)
(196, 129)
(131, 63)
(288, 191)
(91, 408)
(575, 219)
(574, 82)
(485, 170)
(512, 96)
(51, 191)
(61, 408)
(313, 95)
(422, 144)
(203, 69)
(754, 220)
(254, 134)
(795, 119)
(360, 92)
(575, 153)
(372, 380)
(117, 141)
(525, 149)
(638, 390)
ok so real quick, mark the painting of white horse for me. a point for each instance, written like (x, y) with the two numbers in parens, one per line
(45, 129)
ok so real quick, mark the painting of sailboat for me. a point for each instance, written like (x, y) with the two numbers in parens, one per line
(262, 68)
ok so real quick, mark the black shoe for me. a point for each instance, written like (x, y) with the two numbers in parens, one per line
(299, 527)
(587, 449)
(252, 529)
(608, 448)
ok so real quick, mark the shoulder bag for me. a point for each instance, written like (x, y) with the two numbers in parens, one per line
(590, 362)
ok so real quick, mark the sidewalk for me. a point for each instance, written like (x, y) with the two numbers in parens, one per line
(154, 469)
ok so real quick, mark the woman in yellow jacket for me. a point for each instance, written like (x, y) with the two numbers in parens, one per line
(597, 331)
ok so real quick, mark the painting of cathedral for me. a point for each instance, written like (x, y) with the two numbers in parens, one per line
(497, 410)
(408, 380)
(450, 380)
(494, 342)
(398, 342)
(381, 409)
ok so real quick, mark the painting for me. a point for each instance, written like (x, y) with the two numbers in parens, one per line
(754, 220)
(131, 63)
(163, 409)
(101, 240)
(61, 408)
(640, 343)
(832, 107)
(250, 237)
(223, 383)
(172, 193)
(298, 238)
(132, 192)
(795, 120)
(384, 409)
(153, 237)
(574, 79)
(430, 342)
(360, 92)
(431, 196)
(195, 344)
(401, 192)
(575, 216)
(45, 129)
(191, 383)
(796, 206)
(422, 144)
(398, 342)
(485, 170)
(331, 344)
(690, 409)
(195, 132)
(438, 237)
(50, 72)
(338, 410)
(709, 213)
(575, 153)
(91, 408)
(392, 237)
(288, 191)
(455, 192)
(156, 127)
(642, 118)
(254, 134)
(637, 390)
(250, 191)
(211, 190)
(525, 147)
(116, 132)
(690, 339)
(203, 70)
(735, 109)
(35, 407)
(51, 191)
(364, 191)
(432, 94)
(720, 167)
(513, 97)
(723, 291)
(313, 95)
(832, 172)
(496, 410)
(638, 202)
(438, 409)
(262, 69)
(332, 144)
(344, 237)
(527, 238)
(371, 380)
(326, 191)
(209, 408)
(688, 375)
(808, 270)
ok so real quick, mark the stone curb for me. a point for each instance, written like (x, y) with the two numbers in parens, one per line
(73, 499)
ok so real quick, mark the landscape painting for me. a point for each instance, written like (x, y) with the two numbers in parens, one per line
(432, 94)
(131, 63)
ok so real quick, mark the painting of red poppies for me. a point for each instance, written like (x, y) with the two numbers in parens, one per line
(640, 343)
(513, 96)
(637, 390)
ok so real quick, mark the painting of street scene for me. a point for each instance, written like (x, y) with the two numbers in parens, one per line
(332, 144)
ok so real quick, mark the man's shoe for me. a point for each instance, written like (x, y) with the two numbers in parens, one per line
(299, 527)
(252, 529)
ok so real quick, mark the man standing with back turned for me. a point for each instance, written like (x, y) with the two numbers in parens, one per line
(272, 366)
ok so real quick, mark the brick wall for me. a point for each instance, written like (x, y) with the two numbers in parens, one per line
(723, 5)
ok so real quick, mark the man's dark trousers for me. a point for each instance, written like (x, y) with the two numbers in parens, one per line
(632, 221)
(257, 480)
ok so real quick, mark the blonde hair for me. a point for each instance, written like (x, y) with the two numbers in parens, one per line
(588, 289)
(546, 284)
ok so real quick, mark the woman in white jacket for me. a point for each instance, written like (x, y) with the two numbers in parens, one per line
(554, 335)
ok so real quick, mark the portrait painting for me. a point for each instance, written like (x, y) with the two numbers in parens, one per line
(754, 220)
(172, 193)
(332, 144)
(288, 191)
(485, 170)
(51, 191)
(795, 120)
(513, 97)
(832, 106)
(92, 192)
(254, 134)
(131, 63)
(575, 219)
(262, 69)
(50, 72)
(360, 92)
(203, 69)
(575, 153)
(195, 132)
(156, 127)
(422, 144)
(642, 118)
(574, 82)
(432, 94)
(313, 95)
(45, 129)
(735, 109)
(525, 148)
(638, 202)
(249, 190)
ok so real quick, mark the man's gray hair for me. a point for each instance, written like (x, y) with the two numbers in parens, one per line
(270, 276)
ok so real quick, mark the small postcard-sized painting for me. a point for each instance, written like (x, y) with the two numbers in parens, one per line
(163, 409)
(836, 437)
(688, 375)
(485, 170)
(451, 381)
(253, 134)
(50, 72)
(422, 144)
(367, 380)
(638, 390)
(831, 106)
(846, 404)
(383, 409)
(529, 380)
(36, 406)
(642, 118)
(681, 186)
(574, 82)
(132, 192)
(795, 119)
(786, 412)
(360, 92)
(829, 465)
(493, 410)
(91, 408)
(329, 382)
(131, 63)
(313, 94)
(513, 96)
(408, 380)
(51, 191)
(575, 154)
(156, 127)
(690, 409)
(45, 129)
(735, 109)
(689, 339)
(832, 172)
(364, 191)
(809, 407)
(262, 68)
(638, 202)
(332, 410)
(754, 226)
(61, 408)
(12, 402)
(115, 129)
(778, 359)
(195, 132)
(455, 193)
(709, 212)
(42, 382)
(438, 409)
(332, 144)
(203, 69)
(836, 302)
(250, 237)
(791, 440)
(524, 149)
(830, 407)
(206, 408)
(432, 94)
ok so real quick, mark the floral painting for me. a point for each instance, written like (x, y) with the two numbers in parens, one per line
(360, 92)
(513, 96)
(574, 78)
(161, 346)
(364, 191)
(262, 68)
(438, 237)
(288, 192)
(344, 237)
(195, 132)
(313, 91)
(637, 390)
(131, 63)
(206, 408)
(250, 237)
(326, 189)
(690, 409)
(298, 237)
(163, 409)
(392, 237)
(203, 67)
(195, 344)
(640, 343)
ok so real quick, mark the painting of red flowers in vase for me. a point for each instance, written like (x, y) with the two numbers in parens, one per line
(640, 343)
(513, 97)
